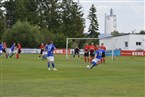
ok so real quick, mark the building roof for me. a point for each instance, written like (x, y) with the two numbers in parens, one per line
(104, 36)
(122, 34)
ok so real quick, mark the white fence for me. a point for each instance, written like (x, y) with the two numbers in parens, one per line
(30, 51)
(36, 51)
(26, 50)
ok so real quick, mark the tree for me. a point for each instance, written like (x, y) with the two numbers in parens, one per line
(56, 19)
(49, 14)
(72, 19)
(26, 10)
(2, 21)
(23, 10)
(142, 32)
(10, 7)
(115, 33)
(28, 35)
(93, 28)
(59, 40)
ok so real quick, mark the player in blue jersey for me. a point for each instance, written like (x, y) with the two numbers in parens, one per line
(11, 53)
(50, 56)
(97, 58)
(1, 48)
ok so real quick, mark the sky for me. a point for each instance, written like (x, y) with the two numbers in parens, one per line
(130, 14)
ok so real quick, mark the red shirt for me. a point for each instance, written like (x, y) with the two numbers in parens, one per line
(92, 48)
(103, 47)
(86, 48)
(42, 46)
(96, 48)
(19, 46)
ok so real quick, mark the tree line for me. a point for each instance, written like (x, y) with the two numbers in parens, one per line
(31, 22)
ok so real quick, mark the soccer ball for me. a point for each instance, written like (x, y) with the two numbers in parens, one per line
(88, 66)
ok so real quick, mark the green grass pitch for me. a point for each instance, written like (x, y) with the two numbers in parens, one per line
(29, 77)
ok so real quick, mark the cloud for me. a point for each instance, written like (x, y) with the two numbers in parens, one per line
(101, 9)
(130, 15)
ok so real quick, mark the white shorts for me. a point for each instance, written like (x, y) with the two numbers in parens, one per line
(0, 51)
(44, 53)
(10, 52)
(96, 60)
(50, 58)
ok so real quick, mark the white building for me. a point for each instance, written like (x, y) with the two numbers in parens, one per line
(110, 22)
(125, 42)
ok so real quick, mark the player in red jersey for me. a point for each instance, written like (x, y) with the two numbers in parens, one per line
(92, 50)
(103, 54)
(19, 47)
(97, 47)
(42, 46)
(86, 53)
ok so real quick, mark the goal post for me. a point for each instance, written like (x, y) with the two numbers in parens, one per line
(67, 42)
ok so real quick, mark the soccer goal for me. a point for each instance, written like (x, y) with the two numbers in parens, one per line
(71, 43)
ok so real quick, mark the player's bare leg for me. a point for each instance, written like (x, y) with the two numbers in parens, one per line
(104, 60)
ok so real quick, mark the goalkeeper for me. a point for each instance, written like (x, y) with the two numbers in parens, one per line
(76, 52)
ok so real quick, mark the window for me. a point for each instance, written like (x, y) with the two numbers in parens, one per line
(126, 44)
(138, 43)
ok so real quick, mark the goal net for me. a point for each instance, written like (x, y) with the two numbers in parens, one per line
(72, 43)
